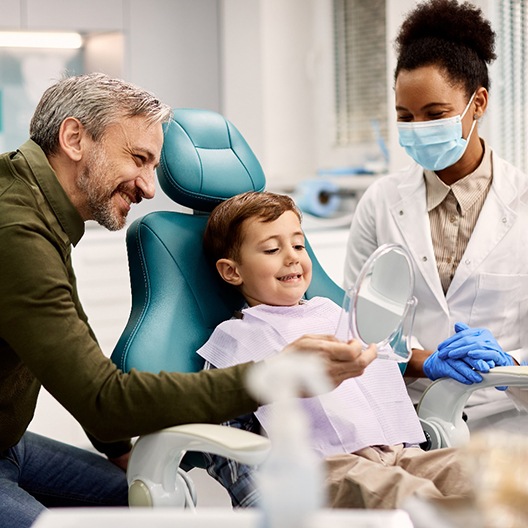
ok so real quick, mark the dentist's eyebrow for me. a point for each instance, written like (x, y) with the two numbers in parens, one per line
(425, 107)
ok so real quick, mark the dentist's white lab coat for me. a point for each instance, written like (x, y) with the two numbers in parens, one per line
(490, 286)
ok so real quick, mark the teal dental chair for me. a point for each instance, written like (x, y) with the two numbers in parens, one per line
(204, 161)
(178, 300)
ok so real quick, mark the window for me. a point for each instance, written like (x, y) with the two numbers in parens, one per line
(360, 72)
(510, 81)
(24, 75)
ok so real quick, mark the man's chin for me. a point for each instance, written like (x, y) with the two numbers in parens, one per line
(112, 222)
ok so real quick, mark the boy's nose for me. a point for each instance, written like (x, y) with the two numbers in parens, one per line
(292, 257)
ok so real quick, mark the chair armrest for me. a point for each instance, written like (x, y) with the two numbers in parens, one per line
(442, 403)
(152, 474)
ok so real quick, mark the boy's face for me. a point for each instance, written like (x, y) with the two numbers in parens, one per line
(273, 266)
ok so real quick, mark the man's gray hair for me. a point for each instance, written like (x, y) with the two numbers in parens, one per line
(97, 101)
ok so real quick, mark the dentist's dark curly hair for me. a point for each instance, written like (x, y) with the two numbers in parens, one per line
(454, 36)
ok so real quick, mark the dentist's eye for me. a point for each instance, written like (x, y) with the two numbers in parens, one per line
(436, 115)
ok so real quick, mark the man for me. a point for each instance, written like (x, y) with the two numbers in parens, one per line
(95, 144)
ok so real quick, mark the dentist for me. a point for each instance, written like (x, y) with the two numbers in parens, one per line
(460, 209)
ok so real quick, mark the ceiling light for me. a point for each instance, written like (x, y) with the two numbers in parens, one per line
(40, 39)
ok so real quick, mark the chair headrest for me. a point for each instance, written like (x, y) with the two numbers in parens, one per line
(205, 160)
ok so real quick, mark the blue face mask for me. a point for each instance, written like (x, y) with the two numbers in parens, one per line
(436, 144)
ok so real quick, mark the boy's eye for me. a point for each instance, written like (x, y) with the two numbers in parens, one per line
(271, 251)
(298, 247)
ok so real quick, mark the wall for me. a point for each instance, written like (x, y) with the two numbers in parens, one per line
(277, 84)
(172, 49)
(268, 82)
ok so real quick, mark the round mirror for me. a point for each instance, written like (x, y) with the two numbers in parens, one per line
(380, 307)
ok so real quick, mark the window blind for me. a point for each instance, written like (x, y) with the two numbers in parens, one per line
(510, 81)
(360, 71)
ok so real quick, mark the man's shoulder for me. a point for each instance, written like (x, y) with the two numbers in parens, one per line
(7, 174)
(19, 200)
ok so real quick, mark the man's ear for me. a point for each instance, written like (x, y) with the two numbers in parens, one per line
(71, 134)
(227, 268)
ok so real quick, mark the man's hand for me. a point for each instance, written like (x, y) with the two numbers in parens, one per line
(342, 360)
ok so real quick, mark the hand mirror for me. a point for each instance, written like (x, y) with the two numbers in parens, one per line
(380, 307)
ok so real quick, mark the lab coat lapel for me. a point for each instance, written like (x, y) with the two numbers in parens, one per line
(494, 222)
(411, 217)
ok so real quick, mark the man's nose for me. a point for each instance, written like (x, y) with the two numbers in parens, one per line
(147, 184)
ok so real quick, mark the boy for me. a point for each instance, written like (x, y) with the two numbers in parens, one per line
(363, 427)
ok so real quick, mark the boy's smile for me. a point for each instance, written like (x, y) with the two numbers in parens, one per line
(273, 266)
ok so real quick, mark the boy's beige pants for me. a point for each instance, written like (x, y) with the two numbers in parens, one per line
(384, 477)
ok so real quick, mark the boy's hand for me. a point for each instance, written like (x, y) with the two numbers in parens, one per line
(342, 360)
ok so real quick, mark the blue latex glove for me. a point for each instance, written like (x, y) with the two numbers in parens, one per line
(468, 339)
(462, 370)
(477, 344)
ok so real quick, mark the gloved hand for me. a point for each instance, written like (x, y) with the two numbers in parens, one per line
(468, 339)
(462, 370)
(477, 344)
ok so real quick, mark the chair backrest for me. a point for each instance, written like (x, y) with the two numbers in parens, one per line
(177, 299)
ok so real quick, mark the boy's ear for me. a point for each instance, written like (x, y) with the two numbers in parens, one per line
(227, 269)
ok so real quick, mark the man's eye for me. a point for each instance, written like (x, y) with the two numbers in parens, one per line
(140, 159)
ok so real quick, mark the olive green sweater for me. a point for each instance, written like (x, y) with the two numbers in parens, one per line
(45, 338)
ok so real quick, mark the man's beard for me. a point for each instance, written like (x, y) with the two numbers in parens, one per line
(97, 192)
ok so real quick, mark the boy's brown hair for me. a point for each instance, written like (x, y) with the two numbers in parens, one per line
(224, 232)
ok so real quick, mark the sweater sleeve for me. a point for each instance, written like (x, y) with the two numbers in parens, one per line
(46, 337)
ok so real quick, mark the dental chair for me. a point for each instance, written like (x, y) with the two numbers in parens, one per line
(178, 300)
